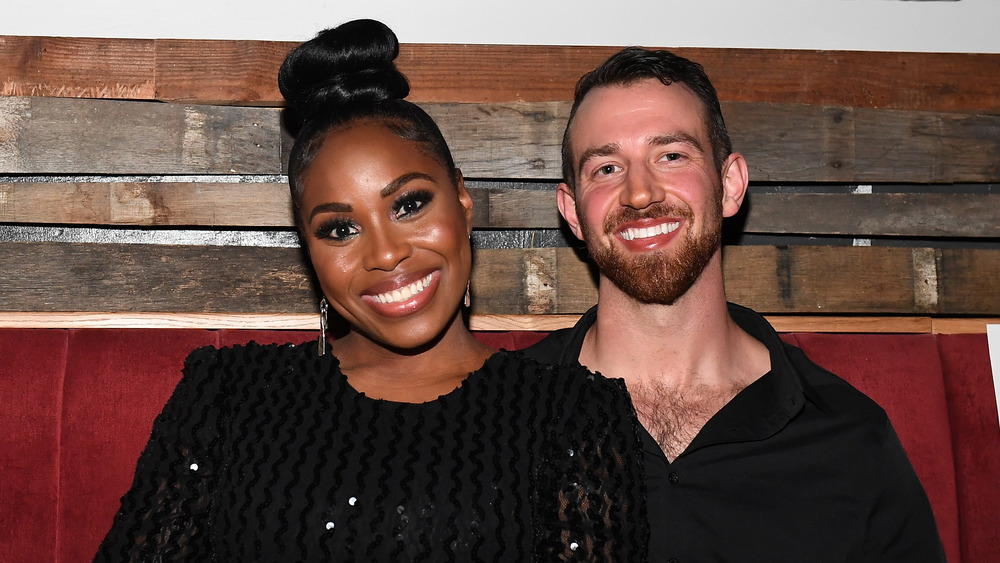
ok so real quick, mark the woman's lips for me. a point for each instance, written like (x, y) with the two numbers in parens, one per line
(402, 296)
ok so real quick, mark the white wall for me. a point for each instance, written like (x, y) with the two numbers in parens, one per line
(879, 25)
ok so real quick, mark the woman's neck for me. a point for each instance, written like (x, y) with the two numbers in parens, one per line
(412, 375)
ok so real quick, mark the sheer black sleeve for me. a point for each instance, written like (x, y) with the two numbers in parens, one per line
(163, 515)
(590, 498)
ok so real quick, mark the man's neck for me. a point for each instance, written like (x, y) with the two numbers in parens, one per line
(682, 362)
(693, 342)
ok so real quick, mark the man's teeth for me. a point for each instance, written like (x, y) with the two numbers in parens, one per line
(404, 293)
(661, 229)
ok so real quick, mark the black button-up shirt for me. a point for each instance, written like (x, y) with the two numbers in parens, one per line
(799, 466)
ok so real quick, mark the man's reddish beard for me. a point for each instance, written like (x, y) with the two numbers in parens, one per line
(656, 277)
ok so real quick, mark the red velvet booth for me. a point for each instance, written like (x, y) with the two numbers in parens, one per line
(77, 407)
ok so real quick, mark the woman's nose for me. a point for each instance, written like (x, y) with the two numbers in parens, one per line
(386, 249)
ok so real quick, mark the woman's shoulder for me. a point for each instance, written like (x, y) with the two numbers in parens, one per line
(253, 361)
(249, 352)
(570, 382)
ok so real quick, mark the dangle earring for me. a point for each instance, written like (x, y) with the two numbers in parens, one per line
(468, 298)
(323, 308)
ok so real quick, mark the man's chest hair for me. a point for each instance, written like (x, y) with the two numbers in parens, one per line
(674, 416)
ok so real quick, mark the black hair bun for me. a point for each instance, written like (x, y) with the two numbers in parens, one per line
(346, 65)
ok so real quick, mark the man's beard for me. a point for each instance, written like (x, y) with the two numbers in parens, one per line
(657, 277)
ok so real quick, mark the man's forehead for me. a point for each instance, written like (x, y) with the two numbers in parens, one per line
(638, 104)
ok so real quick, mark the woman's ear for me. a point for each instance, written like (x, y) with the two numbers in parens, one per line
(465, 199)
(735, 179)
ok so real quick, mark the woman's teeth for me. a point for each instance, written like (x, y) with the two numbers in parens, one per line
(404, 293)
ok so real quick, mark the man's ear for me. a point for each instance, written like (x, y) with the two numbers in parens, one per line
(567, 208)
(465, 199)
(735, 179)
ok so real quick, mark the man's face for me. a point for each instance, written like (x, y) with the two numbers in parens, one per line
(649, 198)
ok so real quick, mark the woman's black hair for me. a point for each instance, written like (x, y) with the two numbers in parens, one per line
(346, 75)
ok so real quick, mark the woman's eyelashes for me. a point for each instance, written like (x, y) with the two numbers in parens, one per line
(337, 229)
(410, 203)
(341, 229)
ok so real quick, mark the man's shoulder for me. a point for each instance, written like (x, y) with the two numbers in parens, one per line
(550, 349)
(562, 346)
(831, 392)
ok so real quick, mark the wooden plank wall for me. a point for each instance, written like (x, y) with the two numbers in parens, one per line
(142, 184)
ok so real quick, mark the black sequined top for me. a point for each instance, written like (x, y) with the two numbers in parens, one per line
(265, 453)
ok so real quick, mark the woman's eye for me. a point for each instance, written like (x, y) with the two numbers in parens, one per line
(337, 230)
(411, 203)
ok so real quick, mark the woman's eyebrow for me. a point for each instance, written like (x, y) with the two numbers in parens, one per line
(395, 185)
(332, 207)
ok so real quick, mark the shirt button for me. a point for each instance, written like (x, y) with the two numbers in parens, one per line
(673, 560)
(674, 478)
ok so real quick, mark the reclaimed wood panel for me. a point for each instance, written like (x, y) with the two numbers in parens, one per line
(219, 72)
(922, 215)
(78, 67)
(268, 204)
(148, 278)
(164, 204)
(57, 277)
(872, 280)
(59, 136)
(203, 71)
(968, 280)
(788, 143)
(515, 141)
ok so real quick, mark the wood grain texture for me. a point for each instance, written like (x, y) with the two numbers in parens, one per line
(164, 204)
(60, 277)
(59, 136)
(77, 67)
(268, 204)
(244, 72)
(922, 215)
(791, 143)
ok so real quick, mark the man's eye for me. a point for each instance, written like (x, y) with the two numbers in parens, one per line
(671, 156)
(606, 169)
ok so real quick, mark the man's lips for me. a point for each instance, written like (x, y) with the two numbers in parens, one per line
(631, 233)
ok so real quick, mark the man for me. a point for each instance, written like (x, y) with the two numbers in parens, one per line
(753, 453)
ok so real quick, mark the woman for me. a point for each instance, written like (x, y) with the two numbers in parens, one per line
(407, 440)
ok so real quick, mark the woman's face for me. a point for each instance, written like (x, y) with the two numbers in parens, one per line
(388, 234)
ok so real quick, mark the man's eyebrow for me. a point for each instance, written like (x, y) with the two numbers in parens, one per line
(659, 140)
(395, 185)
(594, 152)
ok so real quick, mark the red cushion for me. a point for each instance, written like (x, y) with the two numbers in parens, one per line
(915, 403)
(116, 383)
(509, 340)
(94, 393)
(975, 431)
(32, 363)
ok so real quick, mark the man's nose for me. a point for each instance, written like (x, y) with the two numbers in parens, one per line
(641, 189)
(386, 249)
